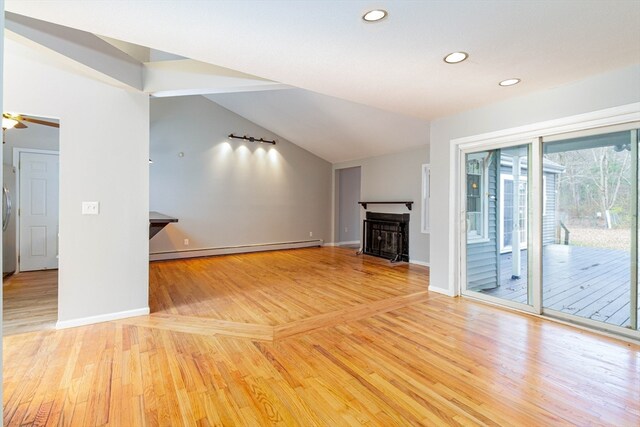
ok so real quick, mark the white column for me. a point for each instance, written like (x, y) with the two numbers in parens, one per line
(515, 236)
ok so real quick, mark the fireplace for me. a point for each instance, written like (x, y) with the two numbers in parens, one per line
(386, 235)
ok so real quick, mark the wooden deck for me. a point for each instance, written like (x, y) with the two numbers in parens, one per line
(587, 282)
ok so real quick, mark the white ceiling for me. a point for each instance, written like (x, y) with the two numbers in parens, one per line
(331, 128)
(393, 66)
(396, 64)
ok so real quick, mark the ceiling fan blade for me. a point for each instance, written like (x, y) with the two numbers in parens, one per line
(39, 122)
(20, 125)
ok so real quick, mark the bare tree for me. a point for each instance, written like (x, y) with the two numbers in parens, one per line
(610, 176)
(594, 180)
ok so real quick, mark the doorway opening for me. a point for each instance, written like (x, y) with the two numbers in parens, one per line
(30, 214)
(348, 210)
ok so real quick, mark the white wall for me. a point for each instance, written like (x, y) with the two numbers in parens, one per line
(348, 187)
(104, 149)
(612, 89)
(394, 177)
(227, 192)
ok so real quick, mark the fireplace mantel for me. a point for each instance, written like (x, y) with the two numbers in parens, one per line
(407, 204)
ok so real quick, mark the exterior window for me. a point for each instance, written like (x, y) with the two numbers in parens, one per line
(426, 193)
(476, 197)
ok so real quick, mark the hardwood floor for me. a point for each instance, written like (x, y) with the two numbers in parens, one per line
(30, 302)
(274, 288)
(426, 359)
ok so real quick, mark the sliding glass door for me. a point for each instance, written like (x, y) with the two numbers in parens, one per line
(551, 226)
(590, 243)
(497, 223)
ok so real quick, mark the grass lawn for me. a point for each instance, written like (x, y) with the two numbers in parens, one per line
(615, 238)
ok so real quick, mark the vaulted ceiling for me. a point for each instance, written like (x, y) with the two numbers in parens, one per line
(329, 127)
(364, 82)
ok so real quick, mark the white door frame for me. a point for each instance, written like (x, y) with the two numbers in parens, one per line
(462, 234)
(523, 242)
(625, 116)
(16, 163)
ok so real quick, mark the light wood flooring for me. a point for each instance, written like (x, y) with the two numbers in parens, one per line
(269, 295)
(30, 302)
(415, 359)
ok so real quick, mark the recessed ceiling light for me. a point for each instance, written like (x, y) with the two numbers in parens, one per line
(455, 57)
(374, 15)
(509, 82)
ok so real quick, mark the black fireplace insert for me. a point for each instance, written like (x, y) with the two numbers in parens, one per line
(386, 235)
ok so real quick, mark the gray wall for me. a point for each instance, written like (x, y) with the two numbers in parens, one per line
(228, 192)
(394, 177)
(349, 227)
(607, 90)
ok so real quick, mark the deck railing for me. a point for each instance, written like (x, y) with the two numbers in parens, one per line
(566, 233)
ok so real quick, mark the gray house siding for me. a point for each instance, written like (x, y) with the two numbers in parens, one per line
(549, 220)
(482, 257)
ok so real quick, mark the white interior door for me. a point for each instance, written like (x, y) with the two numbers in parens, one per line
(38, 211)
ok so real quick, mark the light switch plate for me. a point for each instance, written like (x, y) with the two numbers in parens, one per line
(90, 208)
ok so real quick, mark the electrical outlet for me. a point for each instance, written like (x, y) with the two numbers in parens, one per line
(186, 242)
(90, 208)
(311, 234)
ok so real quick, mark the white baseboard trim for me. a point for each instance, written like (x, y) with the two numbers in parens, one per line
(353, 242)
(64, 324)
(442, 291)
(330, 244)
(422, 263)
(228, 250)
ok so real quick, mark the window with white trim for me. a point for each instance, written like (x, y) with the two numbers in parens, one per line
(507, 194)
(477, 206)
